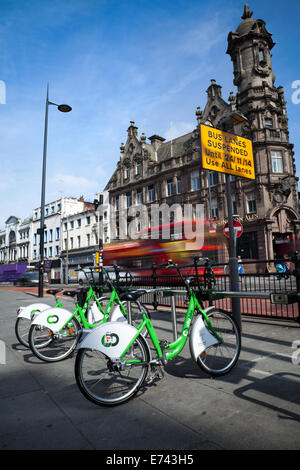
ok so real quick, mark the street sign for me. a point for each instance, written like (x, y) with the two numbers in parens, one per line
(226, 153)
(213, 229)
(237, 226)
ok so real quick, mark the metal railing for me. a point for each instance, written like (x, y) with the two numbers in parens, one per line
(253, 283)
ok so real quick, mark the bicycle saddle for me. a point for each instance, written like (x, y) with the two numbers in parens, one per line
(71, 293)
(53, 291)
(132, 295)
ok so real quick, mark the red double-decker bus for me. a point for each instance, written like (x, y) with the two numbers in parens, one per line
(159, 244)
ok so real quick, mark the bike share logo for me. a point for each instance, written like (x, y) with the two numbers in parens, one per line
(110, 339)
(52, 319)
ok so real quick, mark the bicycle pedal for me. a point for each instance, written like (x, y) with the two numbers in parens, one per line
(156, 374)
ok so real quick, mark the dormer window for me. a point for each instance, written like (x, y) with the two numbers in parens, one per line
(261, 56)
(127, 172)
(268, 122)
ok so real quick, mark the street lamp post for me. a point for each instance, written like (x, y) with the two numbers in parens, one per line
(64, 108)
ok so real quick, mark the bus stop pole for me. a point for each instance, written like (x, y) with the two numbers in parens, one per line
(233, 261)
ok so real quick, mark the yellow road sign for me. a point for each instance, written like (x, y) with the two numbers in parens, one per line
(227, 153)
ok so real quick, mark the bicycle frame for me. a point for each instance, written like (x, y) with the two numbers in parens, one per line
(80, 312)
(175, 347)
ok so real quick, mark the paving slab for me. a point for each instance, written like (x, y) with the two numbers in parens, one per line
(255, 407)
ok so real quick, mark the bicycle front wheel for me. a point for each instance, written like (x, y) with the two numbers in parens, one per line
(108, 383)
(219, 359)
(59, 346)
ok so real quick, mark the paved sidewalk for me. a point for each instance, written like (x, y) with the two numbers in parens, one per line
(256, 406)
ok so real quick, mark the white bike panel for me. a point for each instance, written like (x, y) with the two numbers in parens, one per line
(53, 318)
(110, 338)
(117, 315)
(200, 338)
(25, 312)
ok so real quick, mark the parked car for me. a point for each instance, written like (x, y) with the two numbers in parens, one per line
(85, 275)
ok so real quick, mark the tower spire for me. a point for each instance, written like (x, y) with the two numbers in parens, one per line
(247, 13)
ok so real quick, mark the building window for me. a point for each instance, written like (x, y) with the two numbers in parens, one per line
(34, 254)
(45, 236)
(57, 233)
(214, 209)
(151, 193)
(212, 178)
(127, 172)
(170, 187)
(78, 222)
(247, 246)
(268, 122)
(47, 211)
(261, 55)
(178, 185)
(34, 238)
(195, 180)
(78, 241)
(58, 206)
(117, 202)
(139, 196)
(52, 209)
(45, 252)
(88, 239)
(128, 199)
(251, 200)
(138, 168)
(71, 242)
(277, 166)
(50, 251)
(72, 224)
(50, 235)
(88, 220)
(56, 250)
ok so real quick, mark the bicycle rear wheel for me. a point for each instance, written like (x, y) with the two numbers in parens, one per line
(109, 383)
(222, 357)
(59, 346)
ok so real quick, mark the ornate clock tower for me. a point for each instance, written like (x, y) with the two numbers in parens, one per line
(264, 105)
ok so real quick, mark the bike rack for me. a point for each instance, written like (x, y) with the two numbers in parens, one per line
(274, 297)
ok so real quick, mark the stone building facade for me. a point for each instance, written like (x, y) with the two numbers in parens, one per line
(158, 171)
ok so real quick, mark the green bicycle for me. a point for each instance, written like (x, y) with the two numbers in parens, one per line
(113, 360)
(25, 316)
(54, 334)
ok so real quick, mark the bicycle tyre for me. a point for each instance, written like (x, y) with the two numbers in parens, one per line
(221, 358)
(109, 387)
(22, 327)
(61, 345)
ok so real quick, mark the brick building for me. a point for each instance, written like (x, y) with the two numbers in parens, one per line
(158, 171)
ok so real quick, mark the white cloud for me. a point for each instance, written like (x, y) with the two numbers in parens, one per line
(177, 129)
(72, 185)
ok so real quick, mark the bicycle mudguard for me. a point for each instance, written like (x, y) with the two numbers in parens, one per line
(200, 337)
(54, 318)
(111, 338)
(26, 312)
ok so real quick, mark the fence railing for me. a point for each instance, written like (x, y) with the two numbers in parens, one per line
(249, 282)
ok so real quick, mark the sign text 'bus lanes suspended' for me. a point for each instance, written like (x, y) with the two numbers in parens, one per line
(227, 153)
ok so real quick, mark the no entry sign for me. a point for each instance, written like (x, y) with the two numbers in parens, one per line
(237, 226)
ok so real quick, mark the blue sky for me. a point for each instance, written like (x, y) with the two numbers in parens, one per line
(115, 61)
